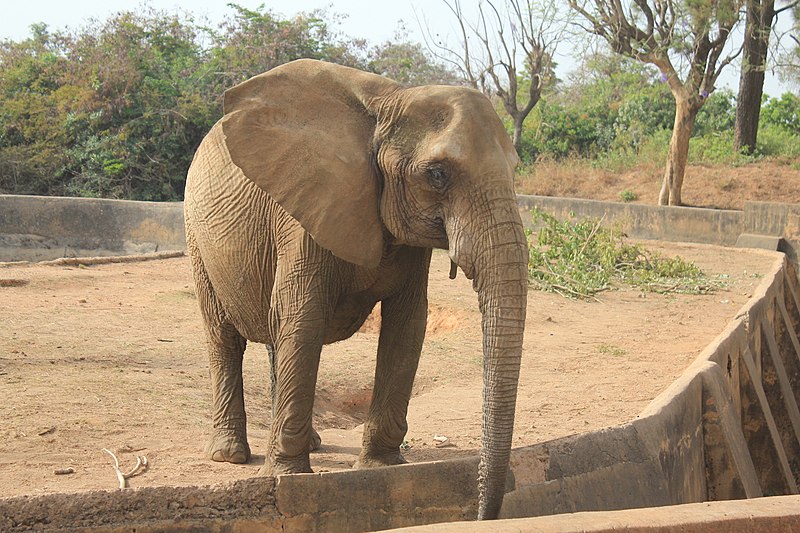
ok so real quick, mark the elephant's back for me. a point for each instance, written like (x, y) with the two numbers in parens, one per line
(229, 219)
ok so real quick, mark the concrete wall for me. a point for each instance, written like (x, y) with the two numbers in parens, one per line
(760, 515)
(680, 224)
(729, 427)
(38, 228)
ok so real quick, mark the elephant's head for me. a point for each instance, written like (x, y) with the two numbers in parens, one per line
(359, 160)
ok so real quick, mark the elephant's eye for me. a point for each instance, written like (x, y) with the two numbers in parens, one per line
(437, 178)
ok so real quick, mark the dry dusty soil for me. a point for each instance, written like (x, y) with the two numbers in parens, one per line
(112, 356)
(716, 186)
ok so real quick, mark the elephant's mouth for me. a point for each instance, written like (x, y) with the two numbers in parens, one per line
(438, 227)
(468, 269)
(438, 233)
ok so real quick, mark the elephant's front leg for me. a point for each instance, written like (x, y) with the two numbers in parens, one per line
(403, 320)
(316, 440)
(301, 308)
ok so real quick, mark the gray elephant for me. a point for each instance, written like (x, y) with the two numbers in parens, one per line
(321, 192)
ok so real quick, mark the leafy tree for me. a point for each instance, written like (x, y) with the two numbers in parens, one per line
(623, 96)
(409, 63)
(117, 108)
(609, 103)
(783, 112)
(253, 41)
(760, 17)
(32, 102)
(717, 115)
(685, 40)
(134, 137)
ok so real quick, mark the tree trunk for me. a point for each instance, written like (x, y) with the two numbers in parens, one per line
(685, 114)
(758, 27)
(516, 138)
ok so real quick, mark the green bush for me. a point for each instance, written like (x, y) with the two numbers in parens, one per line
(118, 107)
(777, 141)
(559, 131)
(783, 112)
(713, 148)
(717, 115)
(641, 115)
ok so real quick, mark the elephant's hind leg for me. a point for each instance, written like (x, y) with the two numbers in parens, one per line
(226, 350)
(229, 439)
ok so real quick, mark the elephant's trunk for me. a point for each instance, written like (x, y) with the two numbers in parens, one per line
(500, 257)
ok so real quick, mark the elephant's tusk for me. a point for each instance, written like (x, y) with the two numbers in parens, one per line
(453, 269)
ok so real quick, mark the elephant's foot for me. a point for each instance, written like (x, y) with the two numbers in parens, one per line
(373, 460)
(278, 467)
(316, 441)
(228, 445)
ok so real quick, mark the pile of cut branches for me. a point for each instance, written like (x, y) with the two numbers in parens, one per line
(579, 259)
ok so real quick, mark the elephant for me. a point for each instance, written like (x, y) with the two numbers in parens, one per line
(322, 191)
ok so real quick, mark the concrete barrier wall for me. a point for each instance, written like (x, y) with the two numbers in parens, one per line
(729, 427)
(39, 228)
(679, 224)
(761, 515)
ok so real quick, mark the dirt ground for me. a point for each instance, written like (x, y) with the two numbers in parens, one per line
(718, 186)
(112, 356)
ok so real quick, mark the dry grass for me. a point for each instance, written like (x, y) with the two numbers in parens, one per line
(722, 187)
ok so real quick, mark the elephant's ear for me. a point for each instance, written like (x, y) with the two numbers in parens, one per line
(302, 132)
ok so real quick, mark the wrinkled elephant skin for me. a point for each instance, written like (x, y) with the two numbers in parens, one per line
(321, 192)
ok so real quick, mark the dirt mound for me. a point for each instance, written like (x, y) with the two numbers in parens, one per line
(440, 320)
(341, 408)
(13, 282)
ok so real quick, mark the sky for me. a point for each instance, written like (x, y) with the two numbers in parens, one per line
(374, 21)
(364, 19)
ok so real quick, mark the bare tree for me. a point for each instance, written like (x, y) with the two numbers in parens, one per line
(686, 40)
(758, 28)
(507, 51)
(791, 65)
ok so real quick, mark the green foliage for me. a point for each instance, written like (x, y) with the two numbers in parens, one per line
(775, 141)
(714, 148)
(578, 259)
(116, 109)
(642, 114)
(253, 41)
(628, 196)
(609, 112)
(783, 112)
(559, 131)
(408, 63)
(717, 115)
